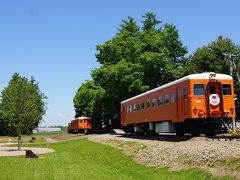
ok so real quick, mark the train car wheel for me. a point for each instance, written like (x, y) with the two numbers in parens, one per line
(180, 129)
(180, 134)
(195, 134)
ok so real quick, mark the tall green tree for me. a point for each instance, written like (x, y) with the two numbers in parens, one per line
(88, 101)
(150, 21)
(22, 106)
(135, 60)
(162, 52)
(124, 46)
(172, 42)
(120, 81)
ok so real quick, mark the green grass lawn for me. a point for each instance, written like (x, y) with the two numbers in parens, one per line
(83, 159)
(49, 133)
(26, 138)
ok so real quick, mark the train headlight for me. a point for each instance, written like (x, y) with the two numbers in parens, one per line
(212, 76)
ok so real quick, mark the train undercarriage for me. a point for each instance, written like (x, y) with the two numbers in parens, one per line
(195, 127)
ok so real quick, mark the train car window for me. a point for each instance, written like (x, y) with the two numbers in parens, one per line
(134, 108)
(130, 108)
(88, 120)
(81, 121)
(179, 94)
(142, 105)
(148, 103)
(198, 89)
(213, 90)
(172, 98)
(127, 109)
(160, 100)
(185, 91)
(226, 89)
(153, 102)
(138, 107)
(85, 120)
(166, 99)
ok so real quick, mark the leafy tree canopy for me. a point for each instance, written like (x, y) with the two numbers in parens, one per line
(211, 58)
(135, 60)
(22, 106)
(88, 101)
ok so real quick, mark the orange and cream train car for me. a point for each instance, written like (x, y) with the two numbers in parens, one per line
(197, 103)
(80, 124)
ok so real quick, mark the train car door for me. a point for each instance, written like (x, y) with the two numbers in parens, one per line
(215, 101)
(186, 101)
(179, 104)
(122, 114)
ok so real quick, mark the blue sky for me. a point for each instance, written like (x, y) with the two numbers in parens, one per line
(55, 40)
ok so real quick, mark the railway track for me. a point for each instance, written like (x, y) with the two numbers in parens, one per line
(173, 138)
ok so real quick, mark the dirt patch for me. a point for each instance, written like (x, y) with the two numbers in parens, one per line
(177, 152)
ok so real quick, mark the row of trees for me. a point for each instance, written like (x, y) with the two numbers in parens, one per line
(137, 59)
(22, 106)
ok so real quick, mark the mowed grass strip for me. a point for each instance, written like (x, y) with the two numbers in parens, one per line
(83, 159)
(26, 138)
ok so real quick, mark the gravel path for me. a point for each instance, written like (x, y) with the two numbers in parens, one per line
(176, 152)
(12, 151)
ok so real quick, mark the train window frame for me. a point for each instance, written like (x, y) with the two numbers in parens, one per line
(173, 98)
(185, 92)
(84, 120)
(130, 108)
(179, 93)
(138, 107)
(229, 85)
(160, 101)
(198, 89)
(134, 108)
(81, 121)
(154, 102)
(127, 109)
(142, 105)
(148, 103)
(166, 99)
(88, 120)
(212, 87)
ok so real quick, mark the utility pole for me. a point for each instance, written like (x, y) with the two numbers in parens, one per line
(230, 57)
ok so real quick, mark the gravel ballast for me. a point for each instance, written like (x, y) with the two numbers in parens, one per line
(176, 152)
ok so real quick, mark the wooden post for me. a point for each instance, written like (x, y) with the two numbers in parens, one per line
(234, 124)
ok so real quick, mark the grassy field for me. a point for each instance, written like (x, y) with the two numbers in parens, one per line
(83, 159)
(39, 137)
(49, 133)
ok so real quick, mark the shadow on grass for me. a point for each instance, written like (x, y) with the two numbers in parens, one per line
(168, 138)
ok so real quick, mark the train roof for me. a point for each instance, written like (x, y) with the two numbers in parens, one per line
(200, 76)
(81, 118)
